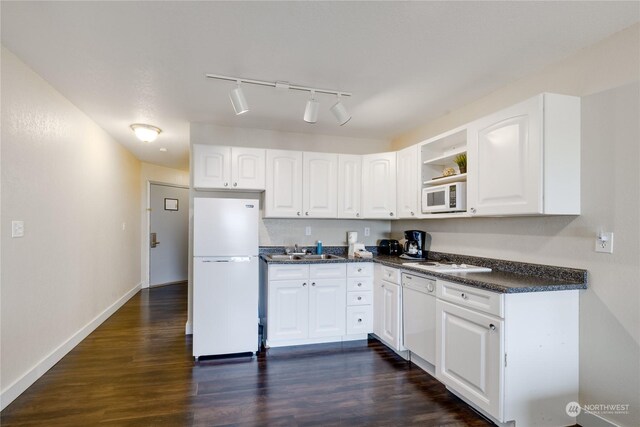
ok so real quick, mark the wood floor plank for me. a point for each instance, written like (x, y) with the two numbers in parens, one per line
(136, 369)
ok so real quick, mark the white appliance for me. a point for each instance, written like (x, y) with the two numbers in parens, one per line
(225, 276)
(419, 311)
(445, 198)
(448, 268)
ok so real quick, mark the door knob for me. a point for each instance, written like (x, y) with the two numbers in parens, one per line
(153, 240)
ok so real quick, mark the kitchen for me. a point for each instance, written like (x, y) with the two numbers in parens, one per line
(608, 308)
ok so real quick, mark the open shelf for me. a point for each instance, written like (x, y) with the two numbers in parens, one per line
(445, 159)
(461, 177)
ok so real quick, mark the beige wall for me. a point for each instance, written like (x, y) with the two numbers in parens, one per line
(74, 187)
(606, 76)
(159, 175)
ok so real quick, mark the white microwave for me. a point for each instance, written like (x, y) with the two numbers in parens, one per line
(445, 198)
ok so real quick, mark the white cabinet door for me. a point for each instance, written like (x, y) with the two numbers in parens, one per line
(390, 314)
(407, 185)
(470, 355)
(283, 193)
(320, 185)
(379, 185)
(288, 310)
(505, 161)
(377, 306)
(247, 168)
(327, 308)
(211, 166)
(349, 185)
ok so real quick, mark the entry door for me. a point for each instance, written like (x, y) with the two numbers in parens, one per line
(169, 226)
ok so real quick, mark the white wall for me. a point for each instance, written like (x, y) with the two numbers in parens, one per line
(74, 187)
(606, 76)
(160, 175)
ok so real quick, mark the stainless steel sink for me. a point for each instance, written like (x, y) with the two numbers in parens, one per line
(323, 256)
(281, 257)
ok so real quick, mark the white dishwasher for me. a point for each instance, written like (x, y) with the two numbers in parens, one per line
(419, 315)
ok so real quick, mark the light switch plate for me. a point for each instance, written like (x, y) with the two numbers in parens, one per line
(307, 231)
(367, 231)
(17, 228)
(604, 242)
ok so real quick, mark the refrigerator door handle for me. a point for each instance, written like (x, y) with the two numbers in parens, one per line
(231, 259)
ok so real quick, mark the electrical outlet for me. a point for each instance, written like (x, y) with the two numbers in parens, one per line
(367, 232)
(604, 242)
(17, 228)
(124, 226)
(307, 231)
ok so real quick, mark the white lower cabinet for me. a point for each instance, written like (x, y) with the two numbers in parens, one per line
(306, 303)
(513, 356)
(387, 306)
(359, 299)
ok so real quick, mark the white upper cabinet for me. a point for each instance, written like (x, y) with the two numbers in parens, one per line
(407, 185)
(228, 168)
(320, 185)
(211, 166)
(525, 159)
(283, 195)
(349, 185)
(379, 185)
(248, 168)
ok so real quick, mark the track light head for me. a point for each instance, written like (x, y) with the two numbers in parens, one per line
(311, 111)
(238, 100)
(340, 112)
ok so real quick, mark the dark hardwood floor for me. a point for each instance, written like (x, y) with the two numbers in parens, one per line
(136, 369)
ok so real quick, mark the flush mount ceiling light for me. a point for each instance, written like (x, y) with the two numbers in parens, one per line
(238, 100)
(311, 111)
(240, 105)
(145, 133)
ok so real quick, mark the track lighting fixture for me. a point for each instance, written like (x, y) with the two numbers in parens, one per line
(238, 100)
(340, 112)
(311, 112)
(145, 133)
(240, 105)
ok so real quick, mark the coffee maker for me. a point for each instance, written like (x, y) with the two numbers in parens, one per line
(414, 245)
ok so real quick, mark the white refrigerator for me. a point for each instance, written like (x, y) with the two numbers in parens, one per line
(225, 276)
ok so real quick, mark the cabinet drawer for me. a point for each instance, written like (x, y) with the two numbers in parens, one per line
(360, 269)
(359, 320)
(288, 272)
(466, 296)
(359, 298)
(359, 283)
(327, 271)
(388, 274)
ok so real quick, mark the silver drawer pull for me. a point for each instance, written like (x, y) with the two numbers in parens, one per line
(359, 320)
(359, 298)
(464, 296)
(359, 270)
(492, 327)
(304, 284)
(313, 283)
(359, 284)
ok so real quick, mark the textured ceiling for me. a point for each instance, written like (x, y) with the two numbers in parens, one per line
(405, 62)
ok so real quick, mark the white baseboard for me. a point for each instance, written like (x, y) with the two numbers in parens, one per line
(14, 390)
(188, 328)
(587, 419)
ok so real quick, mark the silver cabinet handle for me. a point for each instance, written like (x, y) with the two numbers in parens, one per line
(304, 284)
(390, 213)
(492, 327)
(359, 270)
(473, 210)
(306, 213)
(412, 213)
(359, 298)
(359, 320)
(313, 283)
(464, 296)
(359, 284)
(226, 184)
(235, 184)
(357, 214)
(298, 213)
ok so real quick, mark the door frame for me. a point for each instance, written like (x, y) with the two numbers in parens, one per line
(147, 232)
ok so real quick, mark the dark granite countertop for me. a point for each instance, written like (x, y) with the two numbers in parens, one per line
(505, 277)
